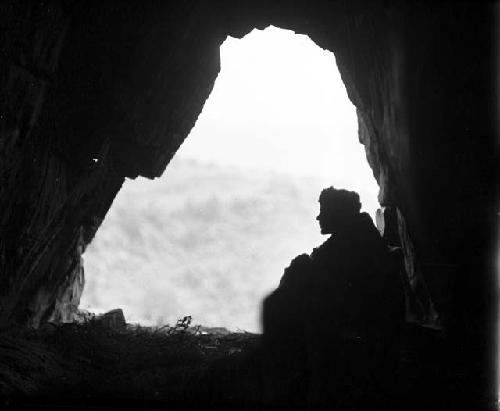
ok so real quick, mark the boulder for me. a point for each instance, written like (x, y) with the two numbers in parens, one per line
(112, 319)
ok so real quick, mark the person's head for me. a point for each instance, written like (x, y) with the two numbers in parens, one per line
(337, 209)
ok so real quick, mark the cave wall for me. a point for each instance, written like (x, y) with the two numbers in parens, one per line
(94, 92)
(48, 200)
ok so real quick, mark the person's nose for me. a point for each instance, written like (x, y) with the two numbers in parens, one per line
(317, 217)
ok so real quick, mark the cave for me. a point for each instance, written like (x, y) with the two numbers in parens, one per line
(94, 93)
(239, 199)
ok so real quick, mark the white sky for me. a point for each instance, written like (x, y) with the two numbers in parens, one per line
(279, 104)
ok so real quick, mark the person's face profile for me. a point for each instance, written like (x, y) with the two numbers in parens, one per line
(332, 217)
(326, 223)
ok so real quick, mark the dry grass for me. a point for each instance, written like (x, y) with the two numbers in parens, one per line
(91, 364)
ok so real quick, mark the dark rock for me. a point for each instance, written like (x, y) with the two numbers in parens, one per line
(112, 319)
(83, 316)
(47, 328)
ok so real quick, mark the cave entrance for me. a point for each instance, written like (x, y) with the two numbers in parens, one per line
(211, 238)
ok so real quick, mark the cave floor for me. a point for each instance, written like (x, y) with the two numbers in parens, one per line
(132, 367)
(89, 366)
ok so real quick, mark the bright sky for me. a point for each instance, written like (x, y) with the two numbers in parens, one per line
(279, 104)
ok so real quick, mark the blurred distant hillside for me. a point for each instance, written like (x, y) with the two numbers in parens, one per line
(204, 240)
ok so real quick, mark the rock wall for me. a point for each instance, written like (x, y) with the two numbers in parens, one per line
(49, 200)
(94, 92)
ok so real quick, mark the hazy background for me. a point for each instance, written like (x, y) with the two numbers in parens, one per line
(212, 236)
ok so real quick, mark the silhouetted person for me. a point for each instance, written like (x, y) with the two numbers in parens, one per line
(329, 324)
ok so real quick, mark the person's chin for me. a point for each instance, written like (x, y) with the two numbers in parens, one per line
(326, 231)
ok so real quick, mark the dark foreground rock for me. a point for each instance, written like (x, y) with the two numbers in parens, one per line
(86, 366)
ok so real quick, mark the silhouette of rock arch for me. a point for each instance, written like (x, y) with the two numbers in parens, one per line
(96, 92)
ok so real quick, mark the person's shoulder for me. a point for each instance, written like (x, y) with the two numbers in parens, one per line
(323, 249)
(365, 227)
(300, 260)
(366, 221)
(296, 272)
(368, 236)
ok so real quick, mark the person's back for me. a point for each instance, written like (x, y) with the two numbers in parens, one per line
(337, 307)
(355, 268)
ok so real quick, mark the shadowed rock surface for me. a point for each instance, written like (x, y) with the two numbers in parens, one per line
(92, 366)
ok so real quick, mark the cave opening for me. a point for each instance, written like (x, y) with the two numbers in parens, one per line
(98, 92)
(238, 201)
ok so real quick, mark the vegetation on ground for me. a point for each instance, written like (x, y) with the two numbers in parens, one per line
(91, 364)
